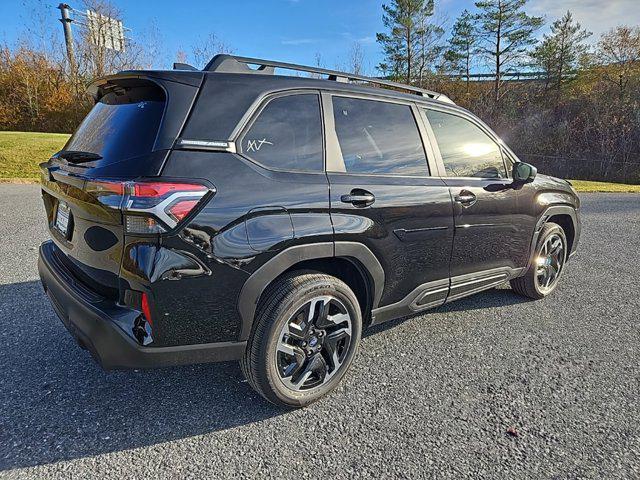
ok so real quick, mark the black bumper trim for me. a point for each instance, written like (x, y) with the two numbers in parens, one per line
(94, 325)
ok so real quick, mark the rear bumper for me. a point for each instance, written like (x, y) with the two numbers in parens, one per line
(97, 324)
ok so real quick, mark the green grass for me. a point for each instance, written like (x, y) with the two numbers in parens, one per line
(21, 152)
(589, 186)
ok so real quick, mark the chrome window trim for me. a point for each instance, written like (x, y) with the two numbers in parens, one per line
(208, 145)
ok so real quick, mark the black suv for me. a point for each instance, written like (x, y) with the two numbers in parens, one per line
(235, 214)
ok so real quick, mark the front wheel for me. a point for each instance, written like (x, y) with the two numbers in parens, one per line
(307, 329)
(547, 265)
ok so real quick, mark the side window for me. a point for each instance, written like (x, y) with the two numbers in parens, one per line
(287, 135)
(466, 150)
(378, 137)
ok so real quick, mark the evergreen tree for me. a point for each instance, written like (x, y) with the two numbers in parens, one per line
(408, 44)
(506, 33)
(462, 45)
(560, 51)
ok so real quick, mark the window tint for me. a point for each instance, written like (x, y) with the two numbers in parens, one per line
(287, 135)
(378, 137)
(466, 150)
(120, 127)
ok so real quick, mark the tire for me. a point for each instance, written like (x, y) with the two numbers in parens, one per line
(531, 284)
(281, 335)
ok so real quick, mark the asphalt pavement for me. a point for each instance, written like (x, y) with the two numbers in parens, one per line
(492, 386)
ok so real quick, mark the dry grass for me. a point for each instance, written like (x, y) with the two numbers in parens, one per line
(589, 186)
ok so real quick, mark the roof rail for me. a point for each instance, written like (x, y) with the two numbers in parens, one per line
(224, 63)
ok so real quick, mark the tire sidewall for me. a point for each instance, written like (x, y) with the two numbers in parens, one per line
(549, 230)
(283, 313)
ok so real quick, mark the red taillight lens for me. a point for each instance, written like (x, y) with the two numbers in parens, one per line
(146, 311)
(182, 209)
(149, 207)
(161, 189)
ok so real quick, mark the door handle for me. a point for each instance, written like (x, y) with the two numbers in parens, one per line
(466, 198)
(359, 198)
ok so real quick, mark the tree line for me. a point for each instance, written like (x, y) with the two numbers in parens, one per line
(573, 110)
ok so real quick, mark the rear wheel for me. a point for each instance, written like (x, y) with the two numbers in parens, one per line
(306, 332)
(547, 265)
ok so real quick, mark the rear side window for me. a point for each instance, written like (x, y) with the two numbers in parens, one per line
(120, 126)
(465, 149)
(287, 135)
(378, 137)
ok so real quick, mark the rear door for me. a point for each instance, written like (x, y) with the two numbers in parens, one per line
(383, 195)
(489, 241)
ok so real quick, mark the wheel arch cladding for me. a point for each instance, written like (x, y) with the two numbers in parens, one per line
(347, 269)
(566, 222)
(300, 257)
(563, 215)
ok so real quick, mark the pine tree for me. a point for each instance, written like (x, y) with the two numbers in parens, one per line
(506, 33)
(560, 51)
(462, 45)
(408, 45)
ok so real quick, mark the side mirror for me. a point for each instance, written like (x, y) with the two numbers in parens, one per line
(524, 173)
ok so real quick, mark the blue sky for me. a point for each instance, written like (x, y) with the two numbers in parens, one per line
(288, 30)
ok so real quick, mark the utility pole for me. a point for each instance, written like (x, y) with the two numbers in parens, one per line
(68, 35)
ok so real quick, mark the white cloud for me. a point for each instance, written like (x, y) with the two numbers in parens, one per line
(597, 16)
(299, 41)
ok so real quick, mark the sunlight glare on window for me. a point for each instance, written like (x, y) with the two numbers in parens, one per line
(477, 149)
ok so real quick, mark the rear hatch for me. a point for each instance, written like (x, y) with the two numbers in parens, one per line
(124, 139)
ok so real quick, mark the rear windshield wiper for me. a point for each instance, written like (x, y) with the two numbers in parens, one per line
(78, 156)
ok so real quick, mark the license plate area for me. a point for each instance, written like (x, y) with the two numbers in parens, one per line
(63, 219)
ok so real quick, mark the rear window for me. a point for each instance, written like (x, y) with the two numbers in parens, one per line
(120, 126)
(287, 135)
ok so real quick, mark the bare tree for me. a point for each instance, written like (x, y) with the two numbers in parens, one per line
(181, 56)
(95, 57)
(206, 48)
(356, 59)
(619, 51)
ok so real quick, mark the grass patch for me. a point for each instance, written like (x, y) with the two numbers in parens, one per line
(21, 152)
(589, 186)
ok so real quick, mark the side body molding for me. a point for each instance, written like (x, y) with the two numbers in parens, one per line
(261, 278)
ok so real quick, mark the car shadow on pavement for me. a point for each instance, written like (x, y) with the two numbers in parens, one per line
(58, 404)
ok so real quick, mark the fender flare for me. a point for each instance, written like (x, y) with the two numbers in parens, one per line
(263, 276)
(544, 217)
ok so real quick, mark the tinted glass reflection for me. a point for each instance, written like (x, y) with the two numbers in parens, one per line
(378, 137)
(466, 150)
(287, 135)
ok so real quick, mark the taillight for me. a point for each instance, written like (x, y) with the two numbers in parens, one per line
(149, 207)
(146, 311)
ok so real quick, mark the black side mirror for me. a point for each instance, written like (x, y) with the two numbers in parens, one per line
(524, 173)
